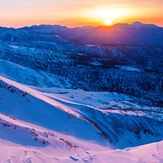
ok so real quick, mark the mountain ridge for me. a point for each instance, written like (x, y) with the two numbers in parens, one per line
(135, 34)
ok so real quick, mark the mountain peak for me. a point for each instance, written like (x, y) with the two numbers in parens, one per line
(137, 24)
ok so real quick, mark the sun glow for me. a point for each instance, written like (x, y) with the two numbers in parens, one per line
(109, 16)
(108, 21)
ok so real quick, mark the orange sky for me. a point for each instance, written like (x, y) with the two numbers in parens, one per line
(19, 13)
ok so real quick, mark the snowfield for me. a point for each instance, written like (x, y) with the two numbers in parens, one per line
(63, 125)
(77, 95)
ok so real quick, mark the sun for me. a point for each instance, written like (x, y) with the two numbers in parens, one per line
(108, 21)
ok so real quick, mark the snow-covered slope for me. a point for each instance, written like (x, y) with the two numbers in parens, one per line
(32, 77)
(21, 35)
(39, 109)
(63, 125)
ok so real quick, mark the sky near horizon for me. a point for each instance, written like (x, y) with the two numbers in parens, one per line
(19, 13)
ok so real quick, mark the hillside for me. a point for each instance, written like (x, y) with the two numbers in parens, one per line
(47, 121)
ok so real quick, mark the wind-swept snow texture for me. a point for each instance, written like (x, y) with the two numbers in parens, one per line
(63, 125)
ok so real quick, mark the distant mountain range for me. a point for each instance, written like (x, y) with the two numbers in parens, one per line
(130, 34)
(119, 34)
